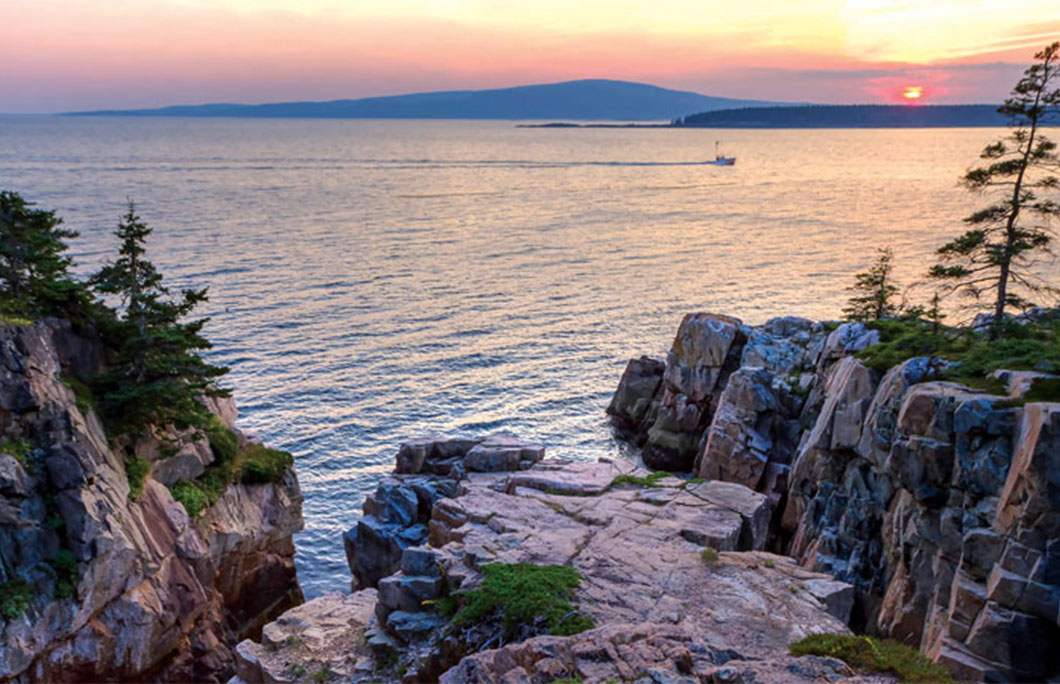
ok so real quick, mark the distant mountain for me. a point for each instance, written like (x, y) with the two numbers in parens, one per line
(848, 116)
(592, 99)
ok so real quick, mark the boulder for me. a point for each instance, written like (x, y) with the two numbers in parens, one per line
(787, 347)
(322, 639)
(755, 425)
(635, 404)
(846, 340)
(706, 349)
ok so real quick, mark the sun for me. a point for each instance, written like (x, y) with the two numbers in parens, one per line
(913, 93)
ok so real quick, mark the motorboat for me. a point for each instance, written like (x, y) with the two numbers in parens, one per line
(720, 159)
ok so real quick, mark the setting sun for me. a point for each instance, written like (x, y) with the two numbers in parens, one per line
(913, 92)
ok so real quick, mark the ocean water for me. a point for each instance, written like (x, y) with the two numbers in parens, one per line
(373, 281)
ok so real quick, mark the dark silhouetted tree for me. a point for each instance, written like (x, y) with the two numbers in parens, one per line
(875, 292)
(159, 376)
(996, 256)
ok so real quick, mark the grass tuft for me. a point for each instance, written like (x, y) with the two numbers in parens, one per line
(709, 555)
(869, 655)
(254, 464)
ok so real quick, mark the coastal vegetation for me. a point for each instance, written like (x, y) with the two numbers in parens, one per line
(159, 376)
(991, 265)
(995, 257)
(254, 463)
(156, 374)
(155, 377)
(874, 291)
(845, 116)
(869, 655)
(35, 277)
(523, 599)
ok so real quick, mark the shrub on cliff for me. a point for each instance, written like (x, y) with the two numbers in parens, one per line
(34, 269)
(159, 375)
(996, 256)
(261, 465)
(253, 464)
(523, 599)
(1034, 346)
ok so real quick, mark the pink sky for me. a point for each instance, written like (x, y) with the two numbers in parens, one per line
(60, 55)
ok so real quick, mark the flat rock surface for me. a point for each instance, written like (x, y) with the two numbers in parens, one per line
(639, 551)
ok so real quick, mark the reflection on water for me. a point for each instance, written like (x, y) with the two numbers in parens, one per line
(372, 281)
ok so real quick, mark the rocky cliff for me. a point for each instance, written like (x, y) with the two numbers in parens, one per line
(939, 503)
(825, 494)
(104, 576)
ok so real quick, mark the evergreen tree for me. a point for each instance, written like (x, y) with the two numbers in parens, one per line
(996, 255)
(159, 376)
(875, 291)
(34, 270)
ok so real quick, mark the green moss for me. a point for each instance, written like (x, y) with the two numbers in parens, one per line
(521, 595)
(868, 655)
(15, 597)
(18, 448)
(136, 469)
(298, 670)
(568, 680)
(83, 395)
(260, 464)
(709, 555)
(65, 566)
(21, 450)
(321, 675)
(191, 496)
(646, 481)
(769, 563)
(15, 319)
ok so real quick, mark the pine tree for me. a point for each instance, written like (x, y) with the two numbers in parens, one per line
(34, 270)
(996, 256)
(159, 376)
(875, 291)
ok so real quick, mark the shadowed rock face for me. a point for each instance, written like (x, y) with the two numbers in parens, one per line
(935, 515)
(396, 514)
(156, 595)
(936, 501)
(635, 405)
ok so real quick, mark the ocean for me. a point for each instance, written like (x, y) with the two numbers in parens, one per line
(374, 281)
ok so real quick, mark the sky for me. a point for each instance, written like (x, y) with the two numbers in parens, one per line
(62, 55)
